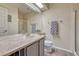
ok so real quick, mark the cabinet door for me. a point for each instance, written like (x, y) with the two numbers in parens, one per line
(41, 47)
(22, 52)
(32, 50)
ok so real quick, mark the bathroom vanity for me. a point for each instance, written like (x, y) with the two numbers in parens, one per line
(22, 45)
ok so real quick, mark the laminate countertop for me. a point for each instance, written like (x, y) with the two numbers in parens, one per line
(13, 43)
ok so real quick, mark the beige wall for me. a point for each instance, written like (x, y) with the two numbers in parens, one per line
(19, 23)
(34, 19)
(64, 12)
(12, 26)
(22, 23)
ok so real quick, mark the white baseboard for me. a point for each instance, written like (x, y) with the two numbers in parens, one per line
(66, 50)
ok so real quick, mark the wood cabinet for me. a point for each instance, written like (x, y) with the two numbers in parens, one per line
(32, 50)
(35, 49)
(22, 45)
(41, 47)
(21, 52)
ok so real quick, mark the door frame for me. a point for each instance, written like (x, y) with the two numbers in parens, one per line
(75, 29)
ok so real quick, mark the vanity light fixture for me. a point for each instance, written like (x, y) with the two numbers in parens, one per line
(40, 5)
(33, 7)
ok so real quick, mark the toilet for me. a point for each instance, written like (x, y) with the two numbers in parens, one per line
(48, 45)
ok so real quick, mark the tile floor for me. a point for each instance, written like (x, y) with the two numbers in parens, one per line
(57, 52)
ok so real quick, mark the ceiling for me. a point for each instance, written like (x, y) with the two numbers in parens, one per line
(23, 8)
